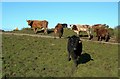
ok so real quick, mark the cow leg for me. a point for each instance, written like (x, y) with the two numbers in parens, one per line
(60, 35)
(98, 38)
(54, 36)
(101, 38)
(75, 62)
(69, 56)
(107, 37)
(55, 32)
(78, 33)
(45, 31)
(35, 30)
(89, 35)
(74, 58)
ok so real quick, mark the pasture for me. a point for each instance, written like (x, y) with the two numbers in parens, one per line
(26, 56)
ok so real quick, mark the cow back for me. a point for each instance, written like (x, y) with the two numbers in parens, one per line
(38, 24)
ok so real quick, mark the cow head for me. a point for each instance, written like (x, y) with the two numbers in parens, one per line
(73, 27)
(74, 41)
(30, 22)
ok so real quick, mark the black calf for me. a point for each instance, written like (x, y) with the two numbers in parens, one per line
(74, 48)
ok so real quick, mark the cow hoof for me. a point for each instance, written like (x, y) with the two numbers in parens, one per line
(69, 59)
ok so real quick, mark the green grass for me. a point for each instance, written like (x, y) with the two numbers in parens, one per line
(25, 56)
(67, 32)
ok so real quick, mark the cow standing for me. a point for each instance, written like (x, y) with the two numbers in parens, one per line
(81, 28)
(58, 30)
(101, 32)
(74, 48)
(97, 27)
(35, 24)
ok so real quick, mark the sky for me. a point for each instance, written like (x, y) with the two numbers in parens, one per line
(15, 14)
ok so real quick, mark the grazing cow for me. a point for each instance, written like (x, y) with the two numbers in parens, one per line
(74, 48)
(102, 33)
(35, 24)
(82, 28)
(58, 30)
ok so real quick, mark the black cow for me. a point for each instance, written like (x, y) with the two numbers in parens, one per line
(64, 25)
(74, 48)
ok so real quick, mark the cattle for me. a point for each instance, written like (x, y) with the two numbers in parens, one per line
(102, 33)
(36, 24)
(74, 48)
(97, 26)
(58, 30)
(82, 28)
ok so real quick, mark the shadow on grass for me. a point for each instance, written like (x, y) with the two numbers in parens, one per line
(83, 35)
(49, 31)
(84, 58)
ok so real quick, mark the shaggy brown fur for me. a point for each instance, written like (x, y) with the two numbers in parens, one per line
(35, 24)
(58, 30)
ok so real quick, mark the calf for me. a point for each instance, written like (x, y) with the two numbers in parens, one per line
(74, 48)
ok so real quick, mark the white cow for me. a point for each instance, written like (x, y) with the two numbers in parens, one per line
(81, 28)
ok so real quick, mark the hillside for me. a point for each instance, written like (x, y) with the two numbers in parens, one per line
(27, 56)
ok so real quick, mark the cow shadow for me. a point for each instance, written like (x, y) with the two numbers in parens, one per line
(50, 31)
(40, 31)
(83, 35)
(84, 58)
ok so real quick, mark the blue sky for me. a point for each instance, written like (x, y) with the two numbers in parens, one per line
(15, 14)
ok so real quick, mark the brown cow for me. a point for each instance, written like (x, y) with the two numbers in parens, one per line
(35, 24)
(58, 30)
(98, 26)
(103, 33)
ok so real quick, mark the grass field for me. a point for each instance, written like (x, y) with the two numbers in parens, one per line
(25, 56)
